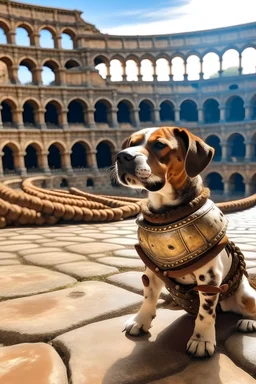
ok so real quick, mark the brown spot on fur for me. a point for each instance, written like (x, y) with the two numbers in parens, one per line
(202, 277)
(145, 280)
(249, 303)
(201, 317)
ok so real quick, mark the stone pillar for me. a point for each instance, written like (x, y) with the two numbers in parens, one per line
(185, 70)
(43, 162)
(248, 188)
(200, 115)
(15, 77)
(136, 117)
(41, 118)
(108, 76)
(221, 70)
(1, 164)
(58, 42)
(37, 75)
(248, 112)
(177, 114)
(1, 122)
(240, 69)
(11, 37)
(226, 151)
(35, 37)
(249, 149)
(63, 118)
(139, 73)
(222, 113)
(60, 76)
(226, 188)
(90, 117)
(170, 71)
(66, 161)
(156, 115)
(124, 75)
(19, 163)
(114, 122)
(201, 73)
(92, 160)
(18, 117)
(154, 72)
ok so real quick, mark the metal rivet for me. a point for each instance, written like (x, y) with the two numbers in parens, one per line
(157, 269)
(165, 273)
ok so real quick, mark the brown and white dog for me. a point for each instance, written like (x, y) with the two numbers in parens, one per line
(167, 162)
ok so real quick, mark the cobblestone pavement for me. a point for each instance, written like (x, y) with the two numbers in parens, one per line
(66, 292)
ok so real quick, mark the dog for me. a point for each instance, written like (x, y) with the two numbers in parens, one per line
(167, 162)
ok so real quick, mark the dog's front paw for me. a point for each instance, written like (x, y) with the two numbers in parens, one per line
(246, 325)
(200, 348)
(138, 323)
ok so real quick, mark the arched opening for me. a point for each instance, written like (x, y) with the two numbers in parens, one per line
(89, 183)
(116, 70)
(178, 69)
(22, 37)
(253, 108)
(6, 75)
(64, 183)
(49, 73)
(211, 111)
(188, 111)
(162, 70)
(54, 157)
(146, 69)
(66, 41)
(211, 65)
(103, 155)
(8, 160)
(131, 70)
(101, 64)
(3, 36)
(31, 159)
(214, 142)
(47, 40)
(71, 64)
(7, 112)
(214, 181)
(76, 112)
(236, 147)
(235, 109)
(236, 183)
(146, 111)
(167, 111)
(52, 111)
(124, 113)
(249, 60)
(29, 113)
(193, 67)
(79, 156)
(230, 63)
(25, 72)
(102, 112)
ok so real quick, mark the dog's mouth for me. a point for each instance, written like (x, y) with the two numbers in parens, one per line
(151, 185)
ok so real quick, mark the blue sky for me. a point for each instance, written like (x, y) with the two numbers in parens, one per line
(162, 16)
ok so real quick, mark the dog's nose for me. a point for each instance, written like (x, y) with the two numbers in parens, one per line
(124, 157)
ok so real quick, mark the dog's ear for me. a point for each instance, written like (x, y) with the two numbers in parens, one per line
(198, 154)
(125, 143)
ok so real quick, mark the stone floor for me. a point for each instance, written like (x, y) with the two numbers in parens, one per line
(66, 292)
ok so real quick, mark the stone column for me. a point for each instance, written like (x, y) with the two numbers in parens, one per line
(63, 118)
(37, 75)
(139, 73)
(136, 117)
(108, 76)
(185, 70)
(226, 151)
(124, 75)
(66, 162)
(1, 164)
(156, 115)
(201, 73)
(43, 162)
(200, 115)
(36, 39)
(60, 76)
(248, 188)
(19, 163)
(90, 117)
(226, 188)
(248, 112)
(114, 122)
(57, 42)
(41, 118)
(249, 149)
(92, 160)
(1, 122)
(18, 117)
(154, 72)
(15, 77)
(11, 37)
(240, 69)
(170, 71)
(177, 114)
(222, 113)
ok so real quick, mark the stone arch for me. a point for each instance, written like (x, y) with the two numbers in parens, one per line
(89, 182)
(147, 68)
(163, 69)
(10, 151)
(6, 70)
(237, 184)
(8, 111)
(249, 60)
(193, 67)
(230, 62)
(31, 157)
(71, 64)
(50, 72)
(214, 181)
(26, 72)
(52, 113)
(188, 111)
(116, 69)
(30, 114)
(101, 63)
(68, 38)
(24, 34)
(211, 65)
(64, 183)
(5, 39)
(48, 37)
(132, 64)
(178, 68)
(146, 111)
(104, 154)
(211, 111)
(236, 143)
(55, 153)
(167, 112)
(79, 155)
(214, 141)
(102, 112)
(253, 107)
(235, 110)
(124, 113)
(77, 109)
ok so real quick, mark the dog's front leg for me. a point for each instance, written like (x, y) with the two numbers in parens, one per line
(142, 320)
(203, 341)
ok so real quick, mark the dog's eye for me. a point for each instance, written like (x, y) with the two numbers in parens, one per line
(159, 145)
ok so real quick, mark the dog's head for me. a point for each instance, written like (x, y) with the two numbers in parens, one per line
(154, 157)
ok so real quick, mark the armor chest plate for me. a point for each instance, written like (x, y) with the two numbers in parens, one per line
(174, 245)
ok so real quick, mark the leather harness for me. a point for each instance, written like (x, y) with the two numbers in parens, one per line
(180, 247)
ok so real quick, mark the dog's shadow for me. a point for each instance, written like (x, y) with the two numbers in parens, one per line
(166, 354)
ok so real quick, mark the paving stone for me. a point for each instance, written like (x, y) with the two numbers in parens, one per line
(9, 262)
(99, 236)
(17, 247)
(44, 316)
(114, 358)
(44, 241)
(58, 243)
(53, 258)
(22, 280)
(127, 253)
(73, 239)
(31, 363)
(14, 242)
(85, 269)
(122, 262)
(45, 249)
(7, 255)
(26, 237)
(89, 248)
(241, 349)
(216, 370)
(120, 232)
(122, 241)
(130, 280)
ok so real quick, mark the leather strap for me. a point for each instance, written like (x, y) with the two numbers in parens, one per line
(211, 288)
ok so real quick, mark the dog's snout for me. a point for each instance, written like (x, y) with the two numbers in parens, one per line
(124, 157)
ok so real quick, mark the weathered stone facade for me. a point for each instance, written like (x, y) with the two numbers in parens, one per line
(73, 127)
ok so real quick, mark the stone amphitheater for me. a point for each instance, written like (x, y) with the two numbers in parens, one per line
(69, 274)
